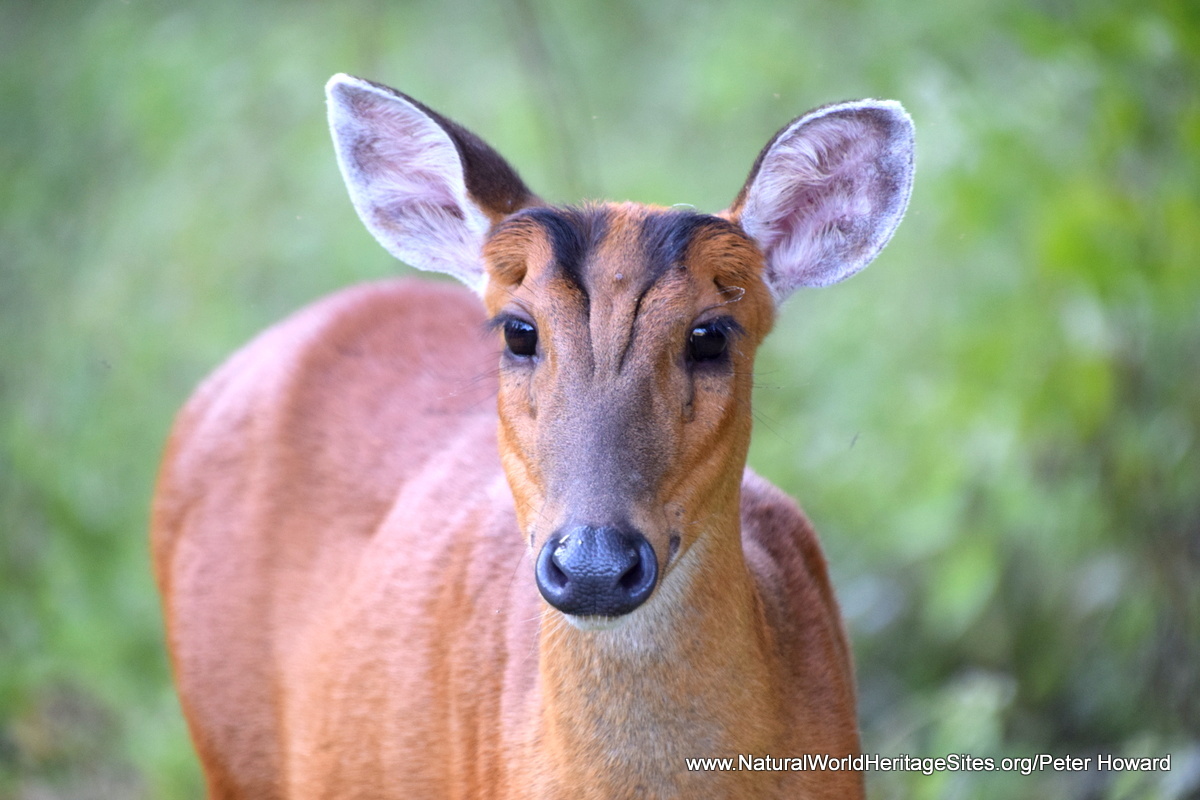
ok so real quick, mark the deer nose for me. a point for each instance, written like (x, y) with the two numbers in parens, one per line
(596, 572)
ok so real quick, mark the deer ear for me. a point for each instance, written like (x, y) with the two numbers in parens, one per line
(427, 189)
(827, 192)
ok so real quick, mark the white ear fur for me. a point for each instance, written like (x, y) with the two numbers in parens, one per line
(828, 193)
(406, 179)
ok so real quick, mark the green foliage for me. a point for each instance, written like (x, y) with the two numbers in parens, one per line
(995, 428)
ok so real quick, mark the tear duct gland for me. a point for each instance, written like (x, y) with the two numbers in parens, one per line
(377, 586)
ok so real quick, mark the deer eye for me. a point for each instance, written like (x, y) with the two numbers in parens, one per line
(520, 337)
(708, 342)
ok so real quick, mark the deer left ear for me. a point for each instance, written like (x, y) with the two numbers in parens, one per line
(427, 188)
(827, 192)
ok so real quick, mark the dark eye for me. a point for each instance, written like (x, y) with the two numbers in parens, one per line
(521, 337)
(707, 342)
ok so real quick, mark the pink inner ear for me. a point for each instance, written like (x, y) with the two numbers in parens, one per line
(402, 161)
(828, 194)
(406, 179)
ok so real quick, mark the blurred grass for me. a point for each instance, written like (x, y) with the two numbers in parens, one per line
(994, 428)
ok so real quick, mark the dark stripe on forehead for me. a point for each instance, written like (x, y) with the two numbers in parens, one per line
(573, 233)
(666, 236)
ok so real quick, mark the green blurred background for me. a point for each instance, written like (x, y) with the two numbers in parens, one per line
(995, 428)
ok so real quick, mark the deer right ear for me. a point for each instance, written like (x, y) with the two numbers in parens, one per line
(827, 192)
(427, 189)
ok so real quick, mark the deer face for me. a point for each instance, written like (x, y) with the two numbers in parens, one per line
(628, 331)
(624, 383)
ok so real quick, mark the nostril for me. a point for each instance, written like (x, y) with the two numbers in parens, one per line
(552, 580)
(554, 574)
(639, 580)
(634, 576)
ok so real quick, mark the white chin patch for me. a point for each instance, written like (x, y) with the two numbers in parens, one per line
(596, 623)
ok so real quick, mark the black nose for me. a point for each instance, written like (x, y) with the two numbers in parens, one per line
(596, 572)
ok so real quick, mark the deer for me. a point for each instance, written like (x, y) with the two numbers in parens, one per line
(499, 539)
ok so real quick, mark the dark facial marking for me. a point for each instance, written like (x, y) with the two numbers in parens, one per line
(573, 233)
(667, 235)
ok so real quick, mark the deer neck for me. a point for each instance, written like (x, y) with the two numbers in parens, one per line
(693, 673)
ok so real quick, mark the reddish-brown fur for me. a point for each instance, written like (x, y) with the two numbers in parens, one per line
(348, 510)
(350, 600)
